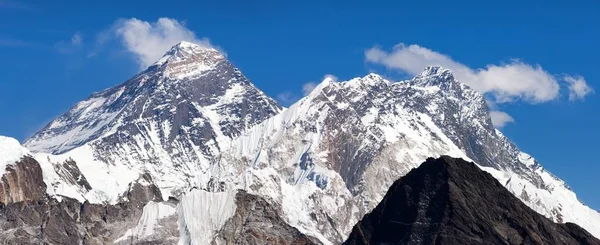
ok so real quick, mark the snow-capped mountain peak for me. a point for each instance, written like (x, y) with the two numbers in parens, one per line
(187, 59)
(171, 120)
(327, 81)
(184, 50)
(437, 76)
(188, 73)
(435, 70)
(370, 80)
(189, 45)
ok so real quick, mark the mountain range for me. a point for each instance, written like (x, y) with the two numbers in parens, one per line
(179, 153)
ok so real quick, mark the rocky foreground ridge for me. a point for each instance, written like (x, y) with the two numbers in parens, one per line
(451, 201)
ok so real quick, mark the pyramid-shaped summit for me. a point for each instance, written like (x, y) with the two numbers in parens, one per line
(211, 80)
(169, 120)
(440, 77)
(451, 201)
(189, 59)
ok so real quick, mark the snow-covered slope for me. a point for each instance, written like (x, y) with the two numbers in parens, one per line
(202, 214)
(193, 120)
(11, 151)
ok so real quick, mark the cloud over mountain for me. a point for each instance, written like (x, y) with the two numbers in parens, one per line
(148, 41)
(506, 82)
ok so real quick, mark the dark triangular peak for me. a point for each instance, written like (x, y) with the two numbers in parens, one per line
(451, 201)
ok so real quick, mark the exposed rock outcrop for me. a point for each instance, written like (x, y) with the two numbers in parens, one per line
(257, 222)
(22, 181)
(142, 191)
(50, 221)
(29, 217)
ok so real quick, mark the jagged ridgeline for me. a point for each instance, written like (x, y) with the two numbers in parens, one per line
(191, 133)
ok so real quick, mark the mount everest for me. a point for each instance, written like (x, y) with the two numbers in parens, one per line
(191, 131)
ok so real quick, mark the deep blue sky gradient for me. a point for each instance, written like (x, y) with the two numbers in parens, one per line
(281, 46)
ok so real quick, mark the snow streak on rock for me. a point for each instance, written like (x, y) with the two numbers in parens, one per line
(153, 212)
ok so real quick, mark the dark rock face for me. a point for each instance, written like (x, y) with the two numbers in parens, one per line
(142, 191)
(22, 181)
(64, 222)
(451, 201)
(37, 219)
(39, 222)
(257, 222)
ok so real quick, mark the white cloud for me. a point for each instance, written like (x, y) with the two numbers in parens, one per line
(500, 119)
(286, 98)
(334, 78)
(308, 87)
(149, 41)
(76, 39)
(507, 82)
(71, 46)
(578, 87)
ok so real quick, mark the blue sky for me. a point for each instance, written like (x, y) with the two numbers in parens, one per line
(56, 54)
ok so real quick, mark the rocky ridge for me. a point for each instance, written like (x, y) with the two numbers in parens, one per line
(452, 201)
